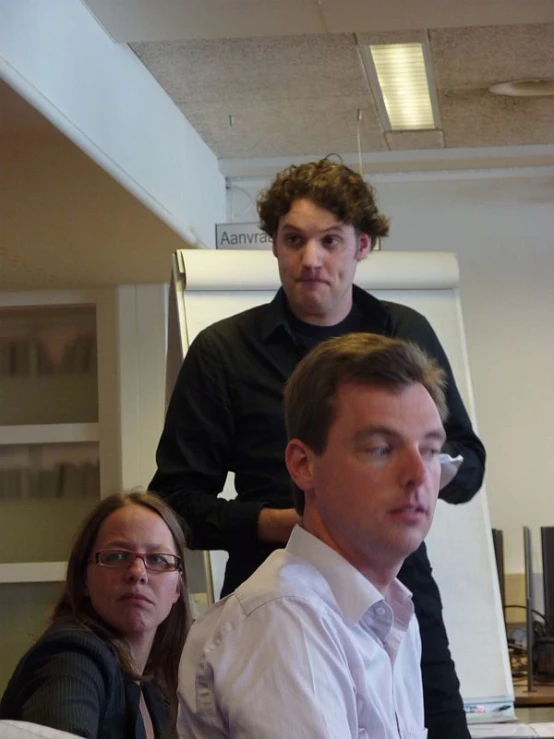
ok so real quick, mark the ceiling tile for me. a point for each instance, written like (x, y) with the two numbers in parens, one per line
(256, 68)
(298, 95)
(297, 127)
(402, 140)
(475, 58)
(479, 118)
(391, 37)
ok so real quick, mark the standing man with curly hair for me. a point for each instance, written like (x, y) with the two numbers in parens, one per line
(226, 412)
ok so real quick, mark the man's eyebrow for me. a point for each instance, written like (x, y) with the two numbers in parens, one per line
(437, 434)
(301, 230)
(370, 431)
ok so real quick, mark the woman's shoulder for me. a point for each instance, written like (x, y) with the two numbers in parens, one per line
(74, 633)
(69, 669)
(83, 646)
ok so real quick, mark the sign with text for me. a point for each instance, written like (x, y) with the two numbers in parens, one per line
(250, 236)
(241, 236)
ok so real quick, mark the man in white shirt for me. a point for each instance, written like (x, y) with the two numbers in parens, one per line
(321, 641)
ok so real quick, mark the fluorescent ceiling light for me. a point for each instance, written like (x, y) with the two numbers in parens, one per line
(403, 90)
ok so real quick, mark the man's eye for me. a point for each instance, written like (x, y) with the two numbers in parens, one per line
(383, 450)
(293, 240)
(430, 453)
(331, 241)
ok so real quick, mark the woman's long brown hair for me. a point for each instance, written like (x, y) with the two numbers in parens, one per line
(75, 606)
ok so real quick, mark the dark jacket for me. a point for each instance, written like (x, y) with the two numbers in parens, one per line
(70, 680)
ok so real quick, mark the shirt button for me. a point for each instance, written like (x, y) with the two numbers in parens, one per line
(380, 611)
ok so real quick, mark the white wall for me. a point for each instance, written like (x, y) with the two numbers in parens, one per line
(501, 225)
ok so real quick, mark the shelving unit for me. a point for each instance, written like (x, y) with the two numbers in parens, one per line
(49, 455)
(57, 452)
(56, 433)
(112, 416)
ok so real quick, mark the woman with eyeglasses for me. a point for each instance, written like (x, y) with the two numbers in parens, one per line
(106, 668)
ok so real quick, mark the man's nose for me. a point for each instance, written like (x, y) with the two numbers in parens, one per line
(413, 467)
(311, 255)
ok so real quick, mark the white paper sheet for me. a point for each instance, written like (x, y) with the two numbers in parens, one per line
(544, 729)
(26, 730)
(501, 731)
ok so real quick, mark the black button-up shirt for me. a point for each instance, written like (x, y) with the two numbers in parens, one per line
(226, 414)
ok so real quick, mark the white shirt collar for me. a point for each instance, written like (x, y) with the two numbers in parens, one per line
(353, 592)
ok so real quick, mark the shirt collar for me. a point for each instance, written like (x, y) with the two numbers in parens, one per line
(353, 593)
(275, 315)
(375, 314)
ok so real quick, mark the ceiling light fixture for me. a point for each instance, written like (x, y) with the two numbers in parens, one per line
(401, 78)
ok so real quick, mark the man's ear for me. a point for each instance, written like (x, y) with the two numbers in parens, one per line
(274, 246)
(364, 246)
(299, 461)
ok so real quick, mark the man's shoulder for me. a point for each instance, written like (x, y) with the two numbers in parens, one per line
(248, 317)
(284, 587)
(245, 323)
(283, 577)
(407, 323)
(403, 314)
(396, 319)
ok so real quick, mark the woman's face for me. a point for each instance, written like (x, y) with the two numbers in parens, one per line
(133, 599)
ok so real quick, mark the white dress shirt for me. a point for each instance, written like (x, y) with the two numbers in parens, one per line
(306, 648)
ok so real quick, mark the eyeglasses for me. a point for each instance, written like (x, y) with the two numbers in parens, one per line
(118, 559)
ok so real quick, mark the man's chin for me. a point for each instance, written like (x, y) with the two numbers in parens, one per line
(409, 544)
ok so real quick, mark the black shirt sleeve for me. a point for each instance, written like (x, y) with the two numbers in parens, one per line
(196, 451)
(461, 439)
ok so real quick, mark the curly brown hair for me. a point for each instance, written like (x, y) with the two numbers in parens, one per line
(330, 185)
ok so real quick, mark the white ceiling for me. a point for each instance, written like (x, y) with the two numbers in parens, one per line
(288, 73)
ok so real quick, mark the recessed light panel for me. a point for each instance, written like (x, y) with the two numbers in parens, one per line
(401, 73)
